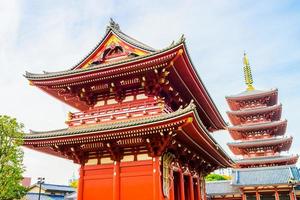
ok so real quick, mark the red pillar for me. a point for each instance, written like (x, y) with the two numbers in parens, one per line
(116, 181)
(198, 189)
(156, 178)
(243, 196)
(292, 195)
(191, 185)
(276, 195)
(204, 189)
(172, 187)
(80, 183)
(181, 180)
(257, 195)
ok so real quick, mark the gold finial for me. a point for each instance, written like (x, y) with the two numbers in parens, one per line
(247, 73)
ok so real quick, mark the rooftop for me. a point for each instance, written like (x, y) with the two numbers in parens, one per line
(248, 94)
(266, 159)
(215, 188)
(261, 142)
(276, 175)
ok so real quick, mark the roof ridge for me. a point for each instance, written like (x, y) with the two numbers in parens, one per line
(262, 168)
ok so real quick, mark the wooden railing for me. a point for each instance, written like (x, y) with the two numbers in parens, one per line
(116, 112)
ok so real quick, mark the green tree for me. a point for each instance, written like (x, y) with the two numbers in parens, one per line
(11, 158)
(216, 177)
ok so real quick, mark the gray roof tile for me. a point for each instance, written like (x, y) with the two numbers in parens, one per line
(264, 175)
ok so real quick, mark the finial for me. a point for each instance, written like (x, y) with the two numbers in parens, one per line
(247, 73)
(113, 25)
(182, 38)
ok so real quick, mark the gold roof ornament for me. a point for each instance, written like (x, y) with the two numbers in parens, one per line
(247, 73)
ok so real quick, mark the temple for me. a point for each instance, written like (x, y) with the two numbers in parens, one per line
(261, 171)
(144, 122)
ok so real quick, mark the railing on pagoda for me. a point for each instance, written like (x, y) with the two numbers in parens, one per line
(118, 112)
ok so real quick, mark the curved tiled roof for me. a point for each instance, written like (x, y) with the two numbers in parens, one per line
(107, 126)
(215, 188)
(257, 126)
(255, 110)
(252, 93)
(260, 142)
(265, 175)
(266, 159)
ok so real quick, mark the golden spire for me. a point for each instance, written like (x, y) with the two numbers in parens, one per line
(247, 73)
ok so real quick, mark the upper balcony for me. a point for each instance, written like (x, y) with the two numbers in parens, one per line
(119, 112)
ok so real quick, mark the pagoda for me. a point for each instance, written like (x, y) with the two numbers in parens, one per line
(144, 122)
(257, 127)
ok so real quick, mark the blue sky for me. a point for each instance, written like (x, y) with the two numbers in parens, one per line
(54, 35)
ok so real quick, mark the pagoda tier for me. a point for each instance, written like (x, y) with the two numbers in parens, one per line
(261, 147)
(258, 130)
(267, 161)
(255, 115)
(252, 99)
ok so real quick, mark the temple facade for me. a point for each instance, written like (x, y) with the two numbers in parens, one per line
(261, 172)
(142, 130)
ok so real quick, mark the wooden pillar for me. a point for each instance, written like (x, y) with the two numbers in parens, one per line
(181, 182)
(244, 196)
(204, 189)
(198, 189)
(276, 195)
(292, 195)
(156, 178)
(80, 183)
(116, 180)
(191, 189)
(172, 190)
(257, 195)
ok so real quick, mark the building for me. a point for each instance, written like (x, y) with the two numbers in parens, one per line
(144, 121)
(49, 192)
(261, 172)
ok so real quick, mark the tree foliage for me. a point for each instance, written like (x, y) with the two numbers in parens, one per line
(11, 158)
(216, 177)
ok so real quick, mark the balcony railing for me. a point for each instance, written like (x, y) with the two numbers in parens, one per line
(118, 112)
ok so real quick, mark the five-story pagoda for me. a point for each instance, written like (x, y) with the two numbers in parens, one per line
(256, 122)
(144, 122)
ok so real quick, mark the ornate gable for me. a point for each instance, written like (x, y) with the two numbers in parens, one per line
(114, 46)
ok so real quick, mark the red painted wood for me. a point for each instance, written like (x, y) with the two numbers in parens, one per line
(191, 187)
(116, 181)
(80, 184)
(181, 180)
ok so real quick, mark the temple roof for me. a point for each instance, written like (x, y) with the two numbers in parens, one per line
(273, 113)
(276, 175)
(215, 188)
(274, 128)
(267, 160)
(254, 110)
(257, 126)
(191, 132)
(75, 71)
(112, 29)
(248, 94)
(88, 129)
(261, 142)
